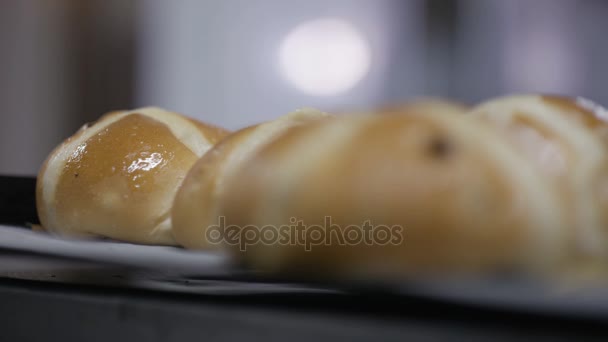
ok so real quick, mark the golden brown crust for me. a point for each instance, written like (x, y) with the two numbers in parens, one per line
(465, 203)
(117, 177)
(132, 163)
(41, 207)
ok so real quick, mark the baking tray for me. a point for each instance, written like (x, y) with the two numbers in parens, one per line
(23, 254)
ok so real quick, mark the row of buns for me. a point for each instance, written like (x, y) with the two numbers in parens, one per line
(517, 183)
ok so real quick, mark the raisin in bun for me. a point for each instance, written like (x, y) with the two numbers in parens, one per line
(117, 177)
(567, 140)
(456, 199)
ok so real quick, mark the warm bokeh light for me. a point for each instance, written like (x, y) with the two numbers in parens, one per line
(324, 57)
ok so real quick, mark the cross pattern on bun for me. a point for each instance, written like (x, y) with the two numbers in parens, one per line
(196, 203)
(566, 139)
(117, 177)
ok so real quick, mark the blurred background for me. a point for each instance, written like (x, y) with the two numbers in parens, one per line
(236, 62)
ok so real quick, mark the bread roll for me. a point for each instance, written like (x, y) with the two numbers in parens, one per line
(464, 201)
(117, 177)
(195, 207)
(567, 140)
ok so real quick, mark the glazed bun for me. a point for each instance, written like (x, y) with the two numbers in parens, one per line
(456, 199)
(196, 204)
(117, 177)
(566, 139)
